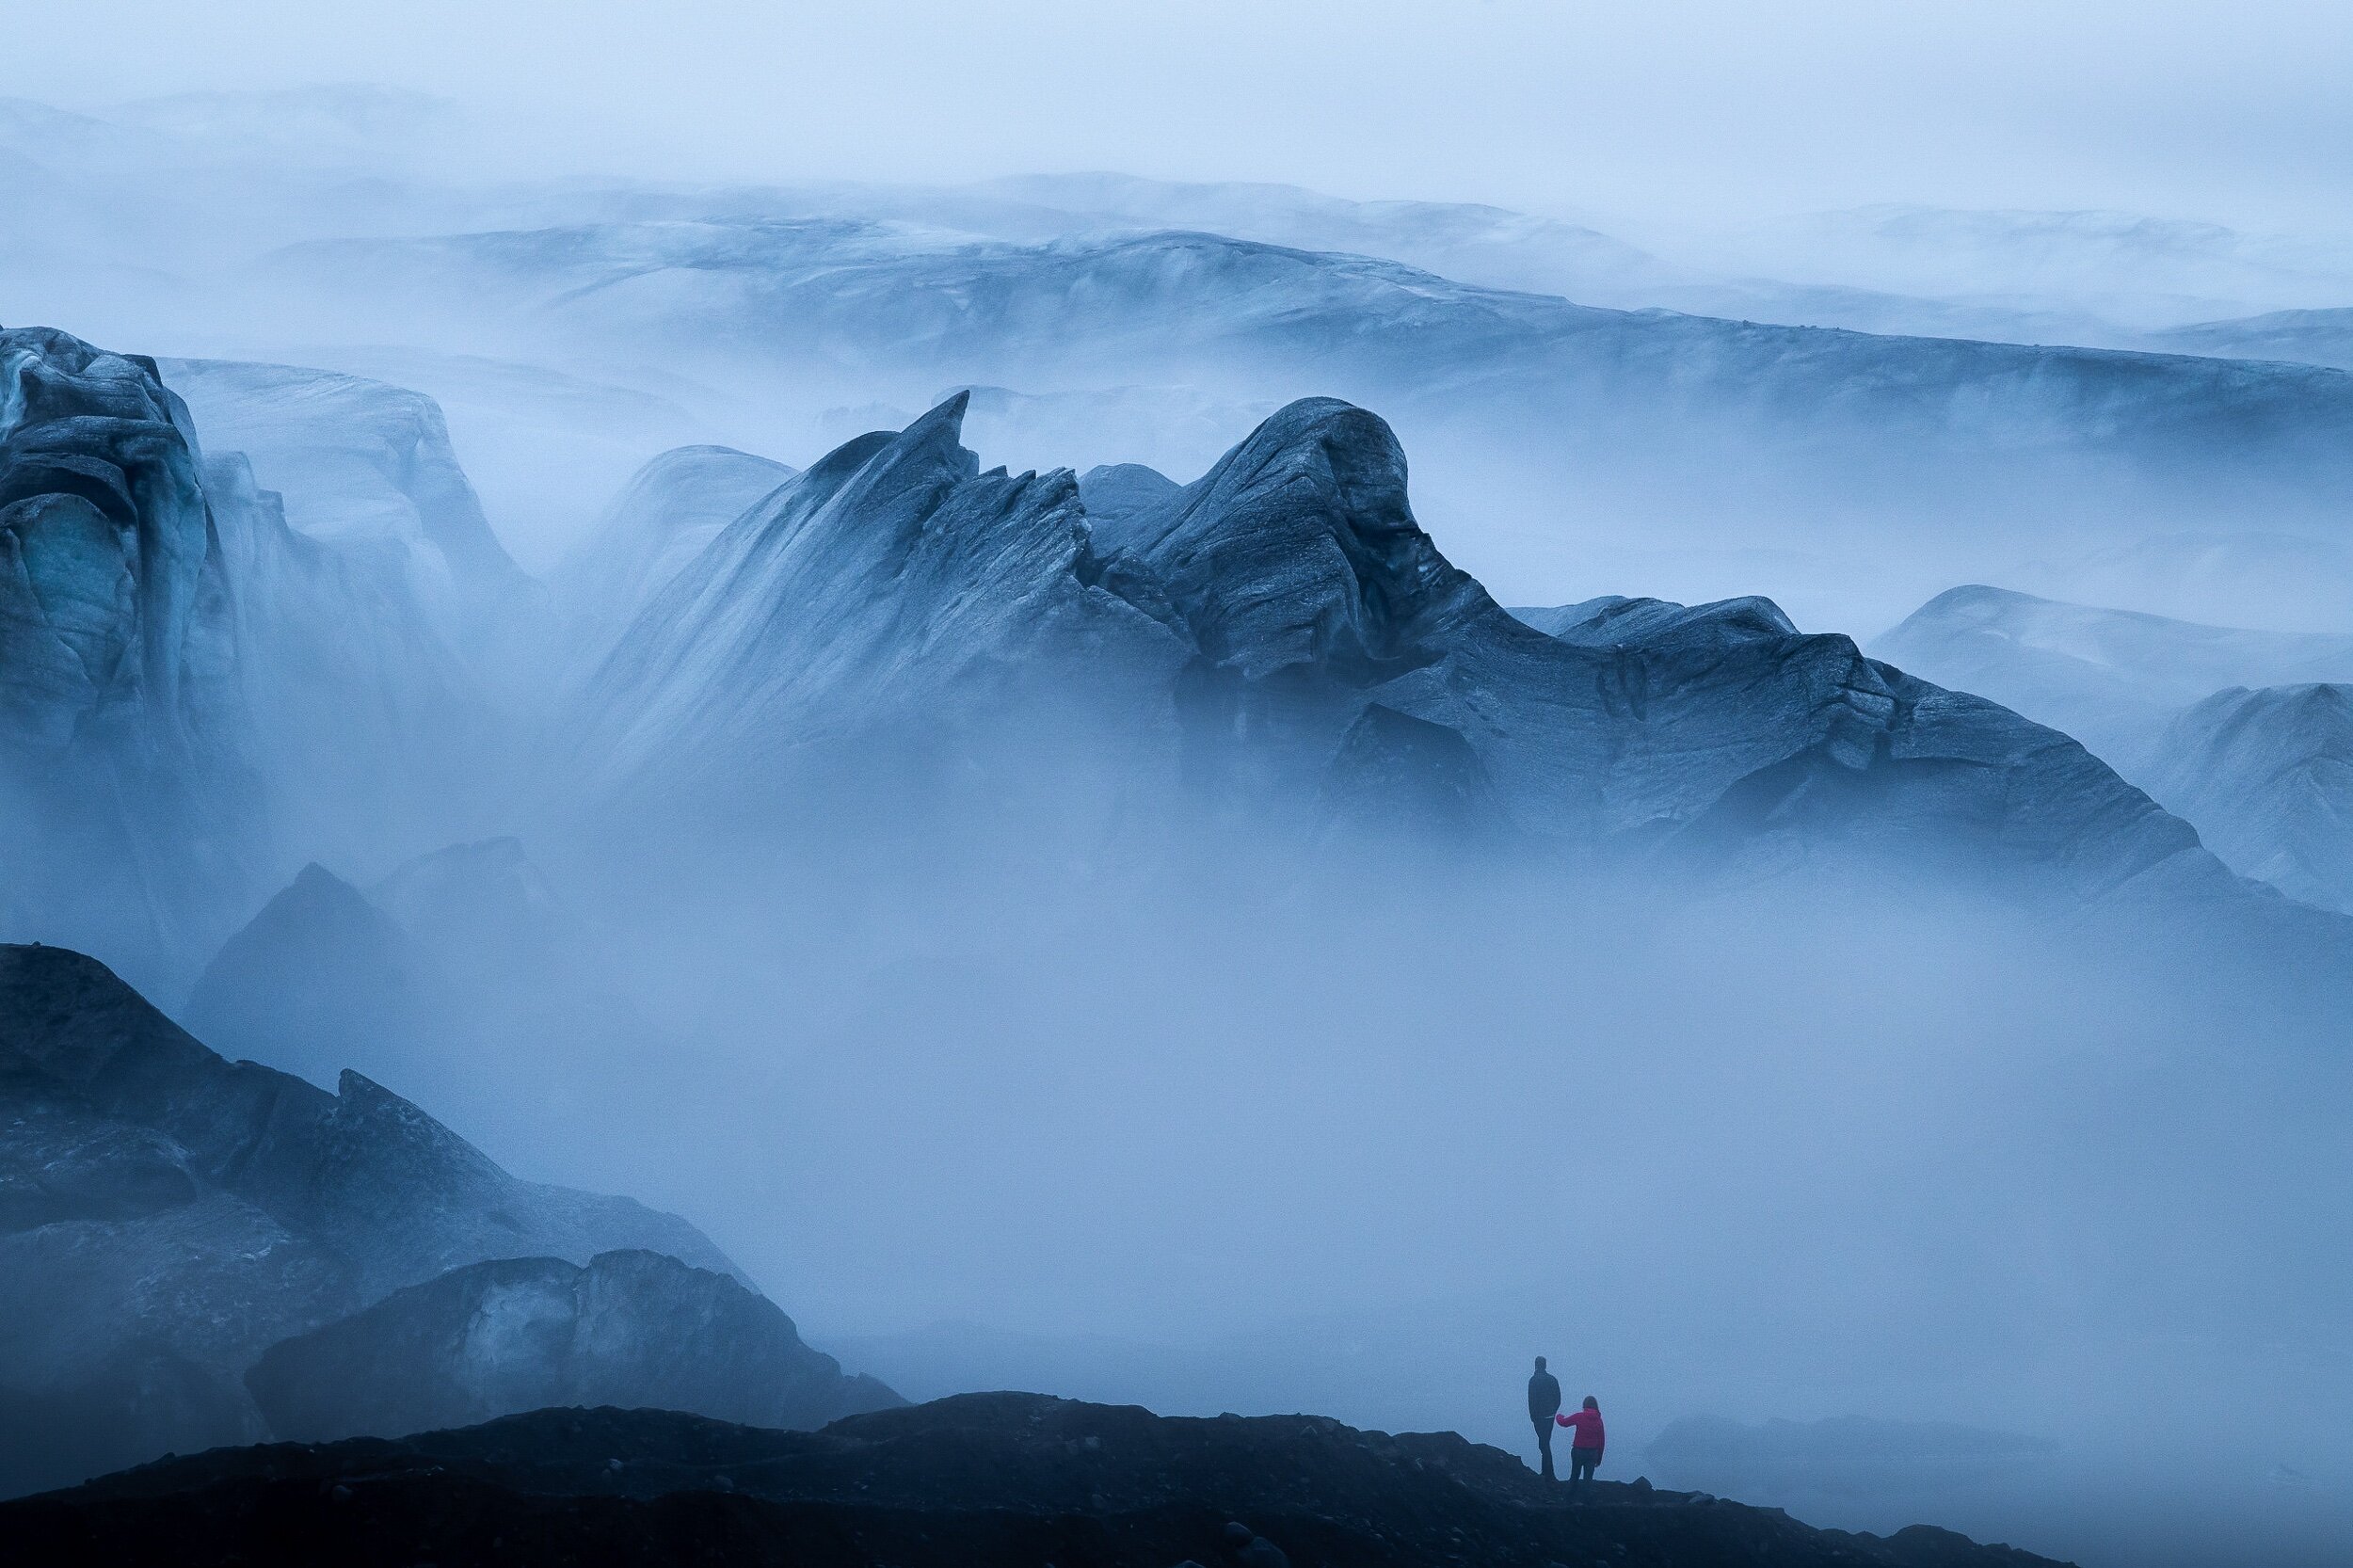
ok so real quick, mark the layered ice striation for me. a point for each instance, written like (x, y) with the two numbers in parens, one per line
(462, 967)
(671, 508)
(123, 784)
(888, 575)
(1260, 615)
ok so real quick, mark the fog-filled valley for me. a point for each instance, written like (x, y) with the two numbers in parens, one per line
(1195, 794)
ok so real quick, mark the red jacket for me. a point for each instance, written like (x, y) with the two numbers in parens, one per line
(1588, 1425)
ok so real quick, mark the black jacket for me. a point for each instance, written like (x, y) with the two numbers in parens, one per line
(1543, 1397)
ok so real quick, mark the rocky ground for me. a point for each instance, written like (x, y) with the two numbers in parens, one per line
(976, 1480)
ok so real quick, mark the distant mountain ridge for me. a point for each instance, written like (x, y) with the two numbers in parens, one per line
(2261, 773)
(2111, 678)
(2268, 777)
(1535, 418)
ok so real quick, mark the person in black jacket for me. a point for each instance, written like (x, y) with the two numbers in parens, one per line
(1543, 1403)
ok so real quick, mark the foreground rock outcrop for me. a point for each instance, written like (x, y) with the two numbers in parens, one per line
(986, 1481)
(167, 1215)
(632, 1329)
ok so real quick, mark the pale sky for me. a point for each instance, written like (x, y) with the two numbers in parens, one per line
(2240, 110)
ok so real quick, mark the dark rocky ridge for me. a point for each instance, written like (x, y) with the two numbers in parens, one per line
(976, 1481)
(167, 1215)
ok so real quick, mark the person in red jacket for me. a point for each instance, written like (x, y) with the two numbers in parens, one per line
(1585, 1447)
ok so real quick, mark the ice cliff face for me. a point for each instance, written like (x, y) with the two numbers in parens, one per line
(167, 1215)
(372, 733)
(115, 576)
(1307, 643)
(669, 511)
(368, 466)
(194, 691)
(2268, 777)
(888, 575)
(356, 460)
(121, 733)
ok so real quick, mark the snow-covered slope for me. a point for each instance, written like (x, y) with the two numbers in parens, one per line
(2112, 679)
(2268, 777)
(2323, 337)
(2249, 577)
(544, 449)
(1493, 247)
(2141, 271)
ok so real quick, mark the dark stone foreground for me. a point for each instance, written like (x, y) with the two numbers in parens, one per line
(974, 1481)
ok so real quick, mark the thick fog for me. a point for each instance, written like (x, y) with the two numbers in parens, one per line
(1002, 1040)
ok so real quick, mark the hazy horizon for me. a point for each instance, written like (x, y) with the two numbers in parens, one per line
(1648, 116)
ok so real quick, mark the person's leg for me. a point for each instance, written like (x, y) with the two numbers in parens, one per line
(1543, 1447)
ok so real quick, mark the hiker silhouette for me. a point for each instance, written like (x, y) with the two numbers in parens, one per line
(1585, 1447)
(1543, 1403)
